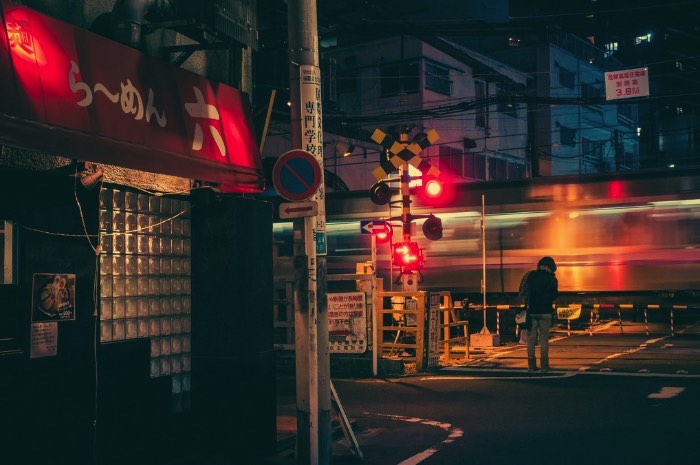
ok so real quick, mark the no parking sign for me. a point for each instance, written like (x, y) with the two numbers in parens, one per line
(296, 175)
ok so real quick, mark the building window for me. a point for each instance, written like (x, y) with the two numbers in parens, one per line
(437, 78)
(475, 166)
(642, 39)
(498, 169)
(516, 171)
(625, 113)
(567, 78)
(593, 151)
(399, 78)
(481, 110)
(610, 48)
(592, 91)
(451, 160)
(505, 104)
(567, 136)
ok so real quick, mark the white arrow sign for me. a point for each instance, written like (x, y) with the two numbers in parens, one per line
(298, 209)
(372, 227)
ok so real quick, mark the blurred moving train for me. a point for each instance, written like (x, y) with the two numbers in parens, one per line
(633, 235)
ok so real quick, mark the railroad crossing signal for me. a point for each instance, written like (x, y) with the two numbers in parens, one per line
(404, 153)
(408, 256)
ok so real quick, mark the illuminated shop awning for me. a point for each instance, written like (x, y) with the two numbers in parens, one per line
(68, 91)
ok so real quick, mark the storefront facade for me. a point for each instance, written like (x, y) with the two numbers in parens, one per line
(122, 302)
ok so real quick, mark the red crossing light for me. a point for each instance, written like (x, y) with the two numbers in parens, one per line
(435, 191)
(407, 255)
(386, 235)
(433, 188)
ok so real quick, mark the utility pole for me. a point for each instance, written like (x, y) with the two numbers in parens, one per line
(311, 318)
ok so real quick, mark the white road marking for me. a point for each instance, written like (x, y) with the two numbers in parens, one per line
(453, 433)
(558, 374)
(667, 392)
(543, 376)
(629, 351)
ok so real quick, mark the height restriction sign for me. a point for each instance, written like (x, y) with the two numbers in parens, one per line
(627, 83)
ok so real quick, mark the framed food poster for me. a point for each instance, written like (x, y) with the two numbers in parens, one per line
(53, 297)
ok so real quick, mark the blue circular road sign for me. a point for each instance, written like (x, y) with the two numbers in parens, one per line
(296, 175)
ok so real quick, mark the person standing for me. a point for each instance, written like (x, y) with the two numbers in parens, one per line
(542, 290)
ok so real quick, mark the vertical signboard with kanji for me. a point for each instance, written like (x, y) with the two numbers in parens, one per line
(434, 331)
(312, 142)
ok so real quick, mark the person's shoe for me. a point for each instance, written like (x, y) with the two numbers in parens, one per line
(531, 369)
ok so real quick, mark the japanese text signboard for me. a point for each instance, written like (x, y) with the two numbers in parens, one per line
(627, 83)
(312, 142)
(68, 90)
(347, 322)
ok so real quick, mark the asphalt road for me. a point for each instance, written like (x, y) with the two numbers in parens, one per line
(615, 396)
(460, 418)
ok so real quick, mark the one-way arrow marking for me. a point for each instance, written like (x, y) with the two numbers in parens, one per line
(373, 227)
(298, 209)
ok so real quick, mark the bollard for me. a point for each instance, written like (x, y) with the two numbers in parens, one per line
(646, 323)
(678, 307)
(595, 311)
(500, 308)
(619, 313)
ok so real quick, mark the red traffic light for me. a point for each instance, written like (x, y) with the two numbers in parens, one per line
(433, 188)
(407, 255)
(435, 191)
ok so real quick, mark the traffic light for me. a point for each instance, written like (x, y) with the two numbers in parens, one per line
(432, 228)
(380, 193)
(407, 255)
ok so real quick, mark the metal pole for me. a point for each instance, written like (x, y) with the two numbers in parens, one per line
(314, 425)
(484, 330)
(374, 319)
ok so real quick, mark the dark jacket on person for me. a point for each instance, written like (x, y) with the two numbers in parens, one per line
(542, 289)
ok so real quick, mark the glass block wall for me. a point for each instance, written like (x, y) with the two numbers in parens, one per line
(145, 280)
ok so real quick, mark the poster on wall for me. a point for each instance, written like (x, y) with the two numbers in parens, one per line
(347, 322)
(53, 297)
(44, 340)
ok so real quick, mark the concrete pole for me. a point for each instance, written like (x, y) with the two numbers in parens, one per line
(314, 433)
